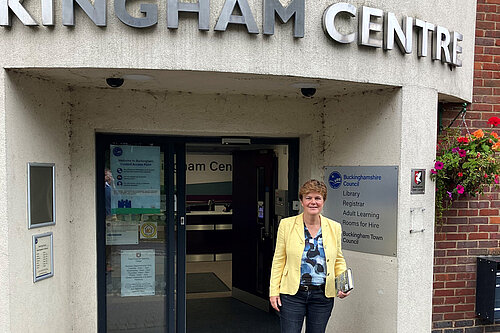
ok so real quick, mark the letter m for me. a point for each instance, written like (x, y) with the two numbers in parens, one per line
(296, 8)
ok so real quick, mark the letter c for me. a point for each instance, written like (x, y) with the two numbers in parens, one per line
(329, 22)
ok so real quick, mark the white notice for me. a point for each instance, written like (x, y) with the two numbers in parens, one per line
(118, 233)
(137, 273)
(43, 260)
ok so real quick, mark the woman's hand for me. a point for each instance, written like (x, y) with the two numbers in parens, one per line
(275, 302)
(342, 294)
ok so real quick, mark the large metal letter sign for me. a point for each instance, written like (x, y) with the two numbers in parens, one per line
(226, 16)
(296, 8)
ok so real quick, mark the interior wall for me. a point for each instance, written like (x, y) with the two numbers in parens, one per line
(38, 130)
(282, 155)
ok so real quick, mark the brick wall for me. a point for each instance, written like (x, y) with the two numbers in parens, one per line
(472, 226)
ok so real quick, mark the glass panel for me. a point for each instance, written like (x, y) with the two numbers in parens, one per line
(41, 194)
(136, 239)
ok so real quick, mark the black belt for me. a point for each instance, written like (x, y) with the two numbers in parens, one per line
(311, 287)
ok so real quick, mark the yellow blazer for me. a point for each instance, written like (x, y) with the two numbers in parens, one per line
(285, 272)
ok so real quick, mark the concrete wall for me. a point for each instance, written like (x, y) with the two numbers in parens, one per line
(364, 130)
(174, 114)
(385, 127)
(4, 227)
(393, 294)
(37, 130)
(314, 56)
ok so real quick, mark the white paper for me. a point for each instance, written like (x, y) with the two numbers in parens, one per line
(137, 273)
(119, 233)
(43, 260)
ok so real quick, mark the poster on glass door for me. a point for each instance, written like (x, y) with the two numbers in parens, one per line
(136, 174)
(137, 273)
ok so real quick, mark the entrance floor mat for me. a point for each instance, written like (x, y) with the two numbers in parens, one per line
(204, 283)
(228, 315)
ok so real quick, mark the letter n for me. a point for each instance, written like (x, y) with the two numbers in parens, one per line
(96, 13)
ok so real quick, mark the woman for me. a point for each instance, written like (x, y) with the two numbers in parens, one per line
(307, 258)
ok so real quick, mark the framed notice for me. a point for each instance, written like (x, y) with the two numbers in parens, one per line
(364, 200)
(41, 194)
(43, 256)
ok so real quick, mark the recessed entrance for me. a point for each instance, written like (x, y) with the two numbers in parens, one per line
(189, 249)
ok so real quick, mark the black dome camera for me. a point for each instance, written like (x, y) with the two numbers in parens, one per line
(308, 92)
(114, 82)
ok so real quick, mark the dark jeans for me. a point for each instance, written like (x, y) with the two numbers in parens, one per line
(313, 305)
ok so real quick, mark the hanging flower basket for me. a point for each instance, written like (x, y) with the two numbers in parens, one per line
(465, 165)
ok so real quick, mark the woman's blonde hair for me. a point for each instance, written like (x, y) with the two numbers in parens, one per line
(313, 185)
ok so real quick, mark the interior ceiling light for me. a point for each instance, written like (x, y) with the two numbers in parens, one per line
(236, 141)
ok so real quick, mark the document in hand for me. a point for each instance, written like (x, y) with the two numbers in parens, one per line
(344, 281)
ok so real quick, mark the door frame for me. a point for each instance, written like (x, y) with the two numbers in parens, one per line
(176, 315)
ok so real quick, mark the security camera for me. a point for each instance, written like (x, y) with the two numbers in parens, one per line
(114, 82)
(308, 92)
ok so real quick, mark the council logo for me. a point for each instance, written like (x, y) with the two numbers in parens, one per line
(335, 180)
(117, 151)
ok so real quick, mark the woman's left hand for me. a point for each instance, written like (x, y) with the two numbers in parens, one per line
(342, 294)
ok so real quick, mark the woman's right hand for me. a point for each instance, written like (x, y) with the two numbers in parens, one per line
(275, 302)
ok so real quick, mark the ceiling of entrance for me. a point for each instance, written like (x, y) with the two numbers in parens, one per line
(198, 82)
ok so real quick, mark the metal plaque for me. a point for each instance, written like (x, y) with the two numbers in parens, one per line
(43, 256)
(364, 200)
(417, 181)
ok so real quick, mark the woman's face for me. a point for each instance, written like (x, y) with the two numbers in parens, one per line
(313, 203)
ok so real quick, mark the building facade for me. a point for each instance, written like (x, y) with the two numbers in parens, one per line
(470, 227)
(225, 70)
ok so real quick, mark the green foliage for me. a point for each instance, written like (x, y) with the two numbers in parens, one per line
(464, 166)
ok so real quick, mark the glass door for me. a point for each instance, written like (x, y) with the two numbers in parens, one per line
(141, 271)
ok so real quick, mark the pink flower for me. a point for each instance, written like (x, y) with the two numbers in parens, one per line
(497, 179)
(460, 189)
(462, 153)
(485, 175)
(438, 165)
(434, 172)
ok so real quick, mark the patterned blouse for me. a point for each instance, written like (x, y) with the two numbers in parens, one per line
(313, 267)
